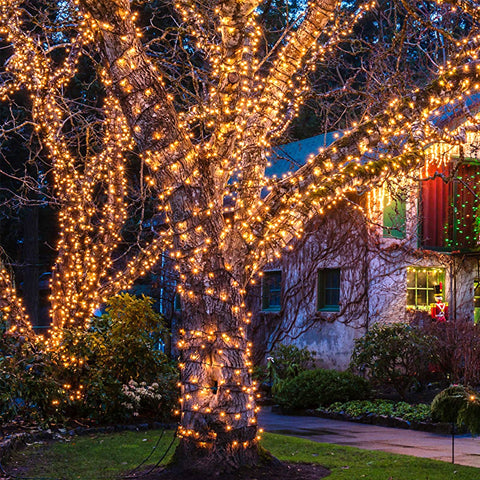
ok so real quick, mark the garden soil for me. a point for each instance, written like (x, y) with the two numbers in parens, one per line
(275, 471)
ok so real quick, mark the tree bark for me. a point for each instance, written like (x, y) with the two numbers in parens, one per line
(218, 421)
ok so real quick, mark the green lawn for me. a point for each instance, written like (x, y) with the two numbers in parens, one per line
(102, 456)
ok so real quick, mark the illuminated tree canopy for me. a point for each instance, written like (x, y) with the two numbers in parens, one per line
(194, 99)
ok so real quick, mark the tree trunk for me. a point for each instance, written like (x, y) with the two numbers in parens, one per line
(218, 421)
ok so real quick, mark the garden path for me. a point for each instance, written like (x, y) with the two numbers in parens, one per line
(372, 437)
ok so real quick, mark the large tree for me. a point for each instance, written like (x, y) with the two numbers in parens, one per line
(196, 112)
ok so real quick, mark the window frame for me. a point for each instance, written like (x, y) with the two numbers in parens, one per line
(177, 302)
(428, 288)
(394, 215)
(322, 305)
(266, 305)
(476, 310)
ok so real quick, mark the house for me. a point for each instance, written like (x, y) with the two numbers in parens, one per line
(380, 257)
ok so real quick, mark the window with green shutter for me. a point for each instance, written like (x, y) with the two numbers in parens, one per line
(272, 290)
(328, 290)
(476, 300)
(395, 216)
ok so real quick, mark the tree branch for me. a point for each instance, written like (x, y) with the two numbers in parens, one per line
(344, 166)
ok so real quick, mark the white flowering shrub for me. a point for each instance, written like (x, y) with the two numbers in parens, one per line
(141, 398)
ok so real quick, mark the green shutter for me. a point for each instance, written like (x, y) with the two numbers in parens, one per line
(395, 217)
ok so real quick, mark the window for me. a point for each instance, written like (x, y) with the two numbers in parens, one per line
(177, 303)
(421, 283)
(328, 290)
(395, 215)
(272, 290)
(476, 300)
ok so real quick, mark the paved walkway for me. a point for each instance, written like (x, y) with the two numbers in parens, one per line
(371, 437)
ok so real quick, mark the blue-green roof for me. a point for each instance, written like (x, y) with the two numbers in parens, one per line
(289, 157)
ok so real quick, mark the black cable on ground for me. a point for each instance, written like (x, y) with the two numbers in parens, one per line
(158, 462)
(7, 475)
(149, 455)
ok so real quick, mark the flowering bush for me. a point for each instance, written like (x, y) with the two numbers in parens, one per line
(85, 376)
(142, 399)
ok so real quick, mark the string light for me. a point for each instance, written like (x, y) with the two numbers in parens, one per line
(215, 250)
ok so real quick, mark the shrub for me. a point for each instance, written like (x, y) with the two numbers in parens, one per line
(457, 350)
(118, 347)
(288, 361)
(285, 361)
(385, 408)
(449, 402)
(398, 354)
(88, 375)
(459, 405)
(313, 388)
(26, 380)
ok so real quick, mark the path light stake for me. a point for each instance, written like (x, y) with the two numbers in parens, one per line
(453, 442)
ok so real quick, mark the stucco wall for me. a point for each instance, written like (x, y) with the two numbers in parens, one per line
(373, 285)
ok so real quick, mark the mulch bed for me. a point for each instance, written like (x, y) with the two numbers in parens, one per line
(272, 471)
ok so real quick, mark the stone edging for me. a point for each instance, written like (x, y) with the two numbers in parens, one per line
(385, 421)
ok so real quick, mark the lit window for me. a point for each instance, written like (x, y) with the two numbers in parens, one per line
(476, 300)
(328, 291)
(272, 290)
(421, 282)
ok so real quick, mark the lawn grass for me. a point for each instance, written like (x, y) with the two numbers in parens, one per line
(98, 457)
(349, 463)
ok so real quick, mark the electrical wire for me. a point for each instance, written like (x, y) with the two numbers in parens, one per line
(132, 474)
(149, 455)
(158, 462)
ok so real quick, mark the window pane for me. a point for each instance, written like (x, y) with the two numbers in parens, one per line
(394, 216)
(421, 279)
(476, 301)
(421, 297)
(433, 279)
(272, 290)
(274, 299)
(332, 279)
(177, 303)
(331, 297)
(328, 289)
(273, 280)
(410, 297)
(411, 274)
